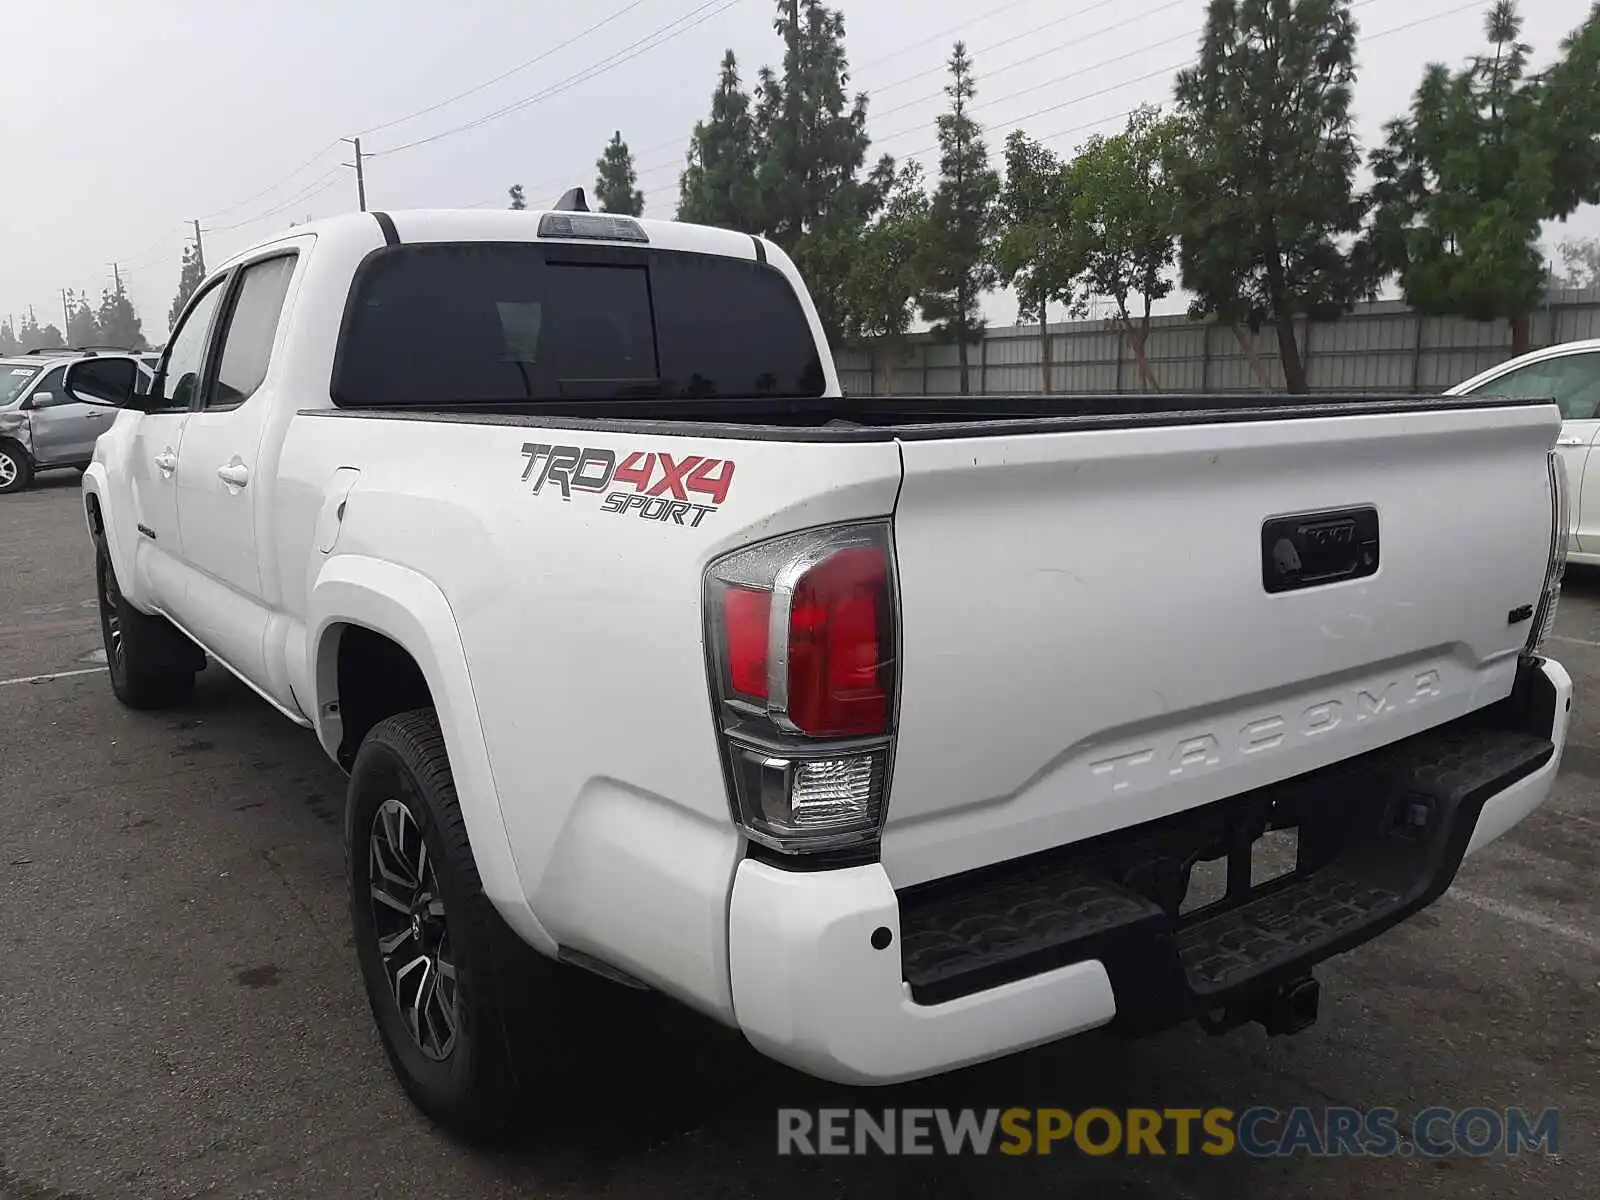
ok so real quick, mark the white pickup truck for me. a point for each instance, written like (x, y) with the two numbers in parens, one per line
(898, 734)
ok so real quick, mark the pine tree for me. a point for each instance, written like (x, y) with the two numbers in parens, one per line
(28, 333)
(811, 134)
(50, 338)
(8, 339)
(717, 186)
(614, 189)
(82, 329)
(190, 276)
(1266, 173)
(517, 201)
(959, 267)
(119, 323)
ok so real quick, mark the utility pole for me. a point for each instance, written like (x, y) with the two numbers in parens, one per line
(199, 249)
(116, 274)
(66, 313)
(361, 178)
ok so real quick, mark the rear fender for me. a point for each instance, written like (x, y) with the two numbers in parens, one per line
(411, 611)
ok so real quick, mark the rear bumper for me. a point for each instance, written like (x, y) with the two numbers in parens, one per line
(835, 973)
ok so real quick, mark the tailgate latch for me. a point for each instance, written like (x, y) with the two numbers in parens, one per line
(1311, 549)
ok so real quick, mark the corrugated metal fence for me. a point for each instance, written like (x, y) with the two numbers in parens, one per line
(1380, 347)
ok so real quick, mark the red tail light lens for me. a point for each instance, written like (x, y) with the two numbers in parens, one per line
(801, 638)
(746, 623)
(838, 670)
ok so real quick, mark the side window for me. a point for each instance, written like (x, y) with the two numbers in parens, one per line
(185, 352)
(1575, 384)
(252, 326)
(50, 393)
(1531, 380)
(1572, 381)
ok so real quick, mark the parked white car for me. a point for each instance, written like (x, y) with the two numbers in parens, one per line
(891, 732)
(1569, 374)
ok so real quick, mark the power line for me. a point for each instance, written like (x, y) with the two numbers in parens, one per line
(631, 51)
(1014, 122)
(1022, 62)
(943, 33)
(538, 58)
(1017, 37)
(1061, 133)
(652, 168)
(274, 187)
(315, 188)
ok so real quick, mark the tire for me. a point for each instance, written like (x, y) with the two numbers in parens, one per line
(445, 995)
(151, 664)
(16, 471)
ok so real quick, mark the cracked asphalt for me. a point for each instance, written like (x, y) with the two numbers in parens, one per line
(180, 1012)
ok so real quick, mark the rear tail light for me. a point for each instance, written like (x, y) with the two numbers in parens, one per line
(1544, 616)
(801, 635)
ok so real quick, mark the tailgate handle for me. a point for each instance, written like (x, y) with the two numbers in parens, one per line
(1311, 549)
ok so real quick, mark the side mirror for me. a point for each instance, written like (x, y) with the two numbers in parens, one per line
(106, 382)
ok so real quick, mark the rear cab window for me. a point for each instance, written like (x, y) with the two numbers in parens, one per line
(486, 324)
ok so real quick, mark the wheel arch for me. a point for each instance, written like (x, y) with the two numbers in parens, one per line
(368, 614)
(17, 440)
(99, 514)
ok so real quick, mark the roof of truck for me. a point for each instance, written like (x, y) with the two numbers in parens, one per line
(506, 225)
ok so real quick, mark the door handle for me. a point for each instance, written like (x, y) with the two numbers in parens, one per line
(235, 475)
(167, 463)
(1570, 441)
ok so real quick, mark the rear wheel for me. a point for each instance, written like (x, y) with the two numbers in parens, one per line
(16, 472)
(152, 665)
(445, 977)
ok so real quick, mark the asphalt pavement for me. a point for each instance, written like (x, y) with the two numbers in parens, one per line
(181, 1015)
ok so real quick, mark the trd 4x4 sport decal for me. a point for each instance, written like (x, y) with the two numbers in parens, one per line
(663, 488)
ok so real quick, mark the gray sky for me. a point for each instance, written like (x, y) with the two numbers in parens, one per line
(126, 119)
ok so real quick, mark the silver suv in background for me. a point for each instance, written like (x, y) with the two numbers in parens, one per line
(41, 427)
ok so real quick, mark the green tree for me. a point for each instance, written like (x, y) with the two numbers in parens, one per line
(884, 276)
(1038, 252)
(190, 276)
(1270, 213)
(1571, 117)
(718, 186)
(958, 268)
(48, 338)
(119, 323)
(82, 328)
(517, 200)
(1465, 180)
(1129, 213)
(8, 339)
(614, 188)
(811, 135)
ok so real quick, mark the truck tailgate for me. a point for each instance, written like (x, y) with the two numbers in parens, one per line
(1089, 640)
